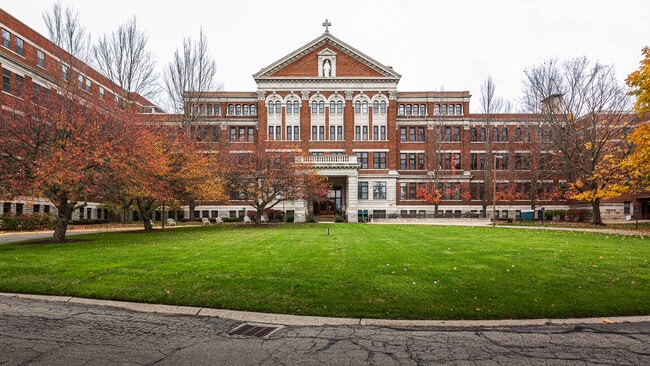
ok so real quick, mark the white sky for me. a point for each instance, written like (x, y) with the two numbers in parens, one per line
(434, 45)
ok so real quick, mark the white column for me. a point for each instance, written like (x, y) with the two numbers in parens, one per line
(352, 202)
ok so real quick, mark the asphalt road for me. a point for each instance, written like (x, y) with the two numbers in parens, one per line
(57, 332)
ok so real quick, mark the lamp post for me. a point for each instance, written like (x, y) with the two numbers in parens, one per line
(494, 190)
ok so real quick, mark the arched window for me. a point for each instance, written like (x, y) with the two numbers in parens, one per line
(289, 108)
(436, 109)
(231, 109)
(504, 134)
(382, 106)
(321, 107)
(238, 109)
(253, 110)
(518, 134)
(332, 106)
(482, 135)
(400, 110)
(217, 110)
(459, 109)
(423, 109)
(314, 107)
(278, 107)
(209, 112)
(409, 109)
(357, 106)
(296, 106)
(416, 110)
(245, 109)
(339, 107)
(495, 134)
(473, 134)
(364, 107)
(444, 109)
(375, 106)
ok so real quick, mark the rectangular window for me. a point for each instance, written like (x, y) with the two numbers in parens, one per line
(296, 133)
(101, 93)
(271, 133)
(6, 206)
(412, 134)
(626, 208)
(251, 134)
(408, 191)
(6, 38)
(339, 133)
(321, 133)
(241, 135)
(421, 134)
(379, 190)
(289, 133)
(20, 46)
(64, 72)
(363, 191)
(88, 85)
(314, 133)
(456, 134)
(362, 157)
(332, 133)
(364, 130)
(40, 58)
(20, 208)
(19, 81)
(6, 81)
(233, 134)
(378, 214)
(46, 209)
(375, 132)
(278, 132)
(357, 132)
(36, 208)
(379, 160)
(382, 133)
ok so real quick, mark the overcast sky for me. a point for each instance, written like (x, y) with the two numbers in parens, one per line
(434, 45)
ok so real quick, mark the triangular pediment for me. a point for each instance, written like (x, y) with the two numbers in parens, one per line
(326, 57)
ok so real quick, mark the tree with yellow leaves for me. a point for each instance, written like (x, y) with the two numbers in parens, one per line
(639, 81)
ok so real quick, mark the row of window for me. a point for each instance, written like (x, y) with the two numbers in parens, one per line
(378, 190)
(20, 208)
(378, 160)
(438, 110)
(236, 110)
(501, 134)
(453, 191)
(19, 44)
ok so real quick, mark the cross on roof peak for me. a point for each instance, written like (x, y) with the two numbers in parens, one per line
(327, 24)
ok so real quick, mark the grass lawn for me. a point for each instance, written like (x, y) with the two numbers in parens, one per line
(374, 271)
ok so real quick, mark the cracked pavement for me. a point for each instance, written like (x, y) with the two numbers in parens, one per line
(39, 332)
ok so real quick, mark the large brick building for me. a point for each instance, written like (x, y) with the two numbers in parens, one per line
(342, 111)
(377, 145)
(31, 63)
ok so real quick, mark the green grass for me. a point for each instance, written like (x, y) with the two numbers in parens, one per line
(375, 271)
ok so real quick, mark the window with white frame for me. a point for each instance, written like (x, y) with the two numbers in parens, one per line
(317, 118)
(6, 38)
(40, 58)
(361, 118)
(379, 118)
(336, 118)
(274, 119)
(20, 46)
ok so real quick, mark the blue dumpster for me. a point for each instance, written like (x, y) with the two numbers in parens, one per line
(528, 215)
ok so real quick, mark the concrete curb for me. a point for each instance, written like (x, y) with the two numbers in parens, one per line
(296, 320)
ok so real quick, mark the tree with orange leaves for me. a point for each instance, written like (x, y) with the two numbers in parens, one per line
(266, 175)
(56, 147)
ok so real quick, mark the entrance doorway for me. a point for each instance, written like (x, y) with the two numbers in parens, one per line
(332, 205)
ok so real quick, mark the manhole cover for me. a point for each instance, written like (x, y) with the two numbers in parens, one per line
(249, 330)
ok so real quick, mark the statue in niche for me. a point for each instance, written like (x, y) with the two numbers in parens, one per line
(327, 68)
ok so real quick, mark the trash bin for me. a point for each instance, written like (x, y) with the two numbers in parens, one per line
(528, 215)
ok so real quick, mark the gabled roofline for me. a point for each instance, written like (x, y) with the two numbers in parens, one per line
(388, 72)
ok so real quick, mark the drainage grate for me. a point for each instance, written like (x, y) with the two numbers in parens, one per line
(249, 330)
